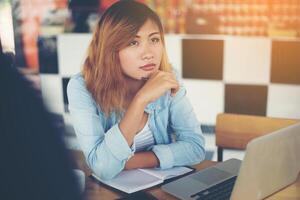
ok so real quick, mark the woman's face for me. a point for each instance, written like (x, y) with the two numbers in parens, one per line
(143, 54)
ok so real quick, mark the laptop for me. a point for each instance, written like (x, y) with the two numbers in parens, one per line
(271, 163)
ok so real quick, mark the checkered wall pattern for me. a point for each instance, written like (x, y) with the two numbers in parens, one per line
(246, 75)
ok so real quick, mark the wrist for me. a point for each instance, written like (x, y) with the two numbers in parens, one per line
(140, 100)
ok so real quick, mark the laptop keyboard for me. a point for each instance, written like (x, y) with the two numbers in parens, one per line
(221, 191)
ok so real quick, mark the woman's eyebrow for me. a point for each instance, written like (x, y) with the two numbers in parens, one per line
(137, 36)
(153, 33)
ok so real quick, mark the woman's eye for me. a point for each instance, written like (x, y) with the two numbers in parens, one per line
(155, 40)
(133, 43)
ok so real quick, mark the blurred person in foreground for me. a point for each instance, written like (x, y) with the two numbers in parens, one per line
(35, 164)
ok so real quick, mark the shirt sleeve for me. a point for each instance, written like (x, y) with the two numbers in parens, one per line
(106, 152)
(189, 145)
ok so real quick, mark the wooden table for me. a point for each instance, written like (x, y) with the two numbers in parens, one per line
(96, 191)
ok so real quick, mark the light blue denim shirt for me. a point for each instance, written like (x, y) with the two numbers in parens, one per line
(104, 146)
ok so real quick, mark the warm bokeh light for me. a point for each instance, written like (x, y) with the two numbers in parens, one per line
(6, 27)
(250, 18)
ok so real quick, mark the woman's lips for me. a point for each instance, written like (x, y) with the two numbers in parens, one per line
(148, 67)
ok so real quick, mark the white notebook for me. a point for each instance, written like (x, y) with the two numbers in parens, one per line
(130, 181)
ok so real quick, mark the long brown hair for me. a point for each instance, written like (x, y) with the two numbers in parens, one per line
(102, 69)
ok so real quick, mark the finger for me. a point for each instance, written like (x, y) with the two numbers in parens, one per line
(154, 74)
(174, 86)
(176, 89)
(173, 92)
(173, 81)
(171, 76)
(150, 76)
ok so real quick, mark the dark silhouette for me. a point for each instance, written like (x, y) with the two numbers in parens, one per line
(34, 161)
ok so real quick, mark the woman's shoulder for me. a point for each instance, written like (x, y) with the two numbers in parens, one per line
(76, 82)
(78, 78)
(77, 86)
(78, 92)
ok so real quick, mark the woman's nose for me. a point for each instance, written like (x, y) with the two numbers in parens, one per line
(147, 53)
(148, 57)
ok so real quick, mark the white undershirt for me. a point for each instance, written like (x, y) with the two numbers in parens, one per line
(143, 139)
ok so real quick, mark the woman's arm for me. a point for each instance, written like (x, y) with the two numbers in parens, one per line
(189, 147)
(106, 151)
(145, 159)
(131, 122)
(155, 87)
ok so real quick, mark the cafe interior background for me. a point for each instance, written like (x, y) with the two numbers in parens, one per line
(234, 56)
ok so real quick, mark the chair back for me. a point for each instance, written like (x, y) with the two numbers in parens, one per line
(234, 131)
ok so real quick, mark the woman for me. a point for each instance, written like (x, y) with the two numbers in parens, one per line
(126, 104)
